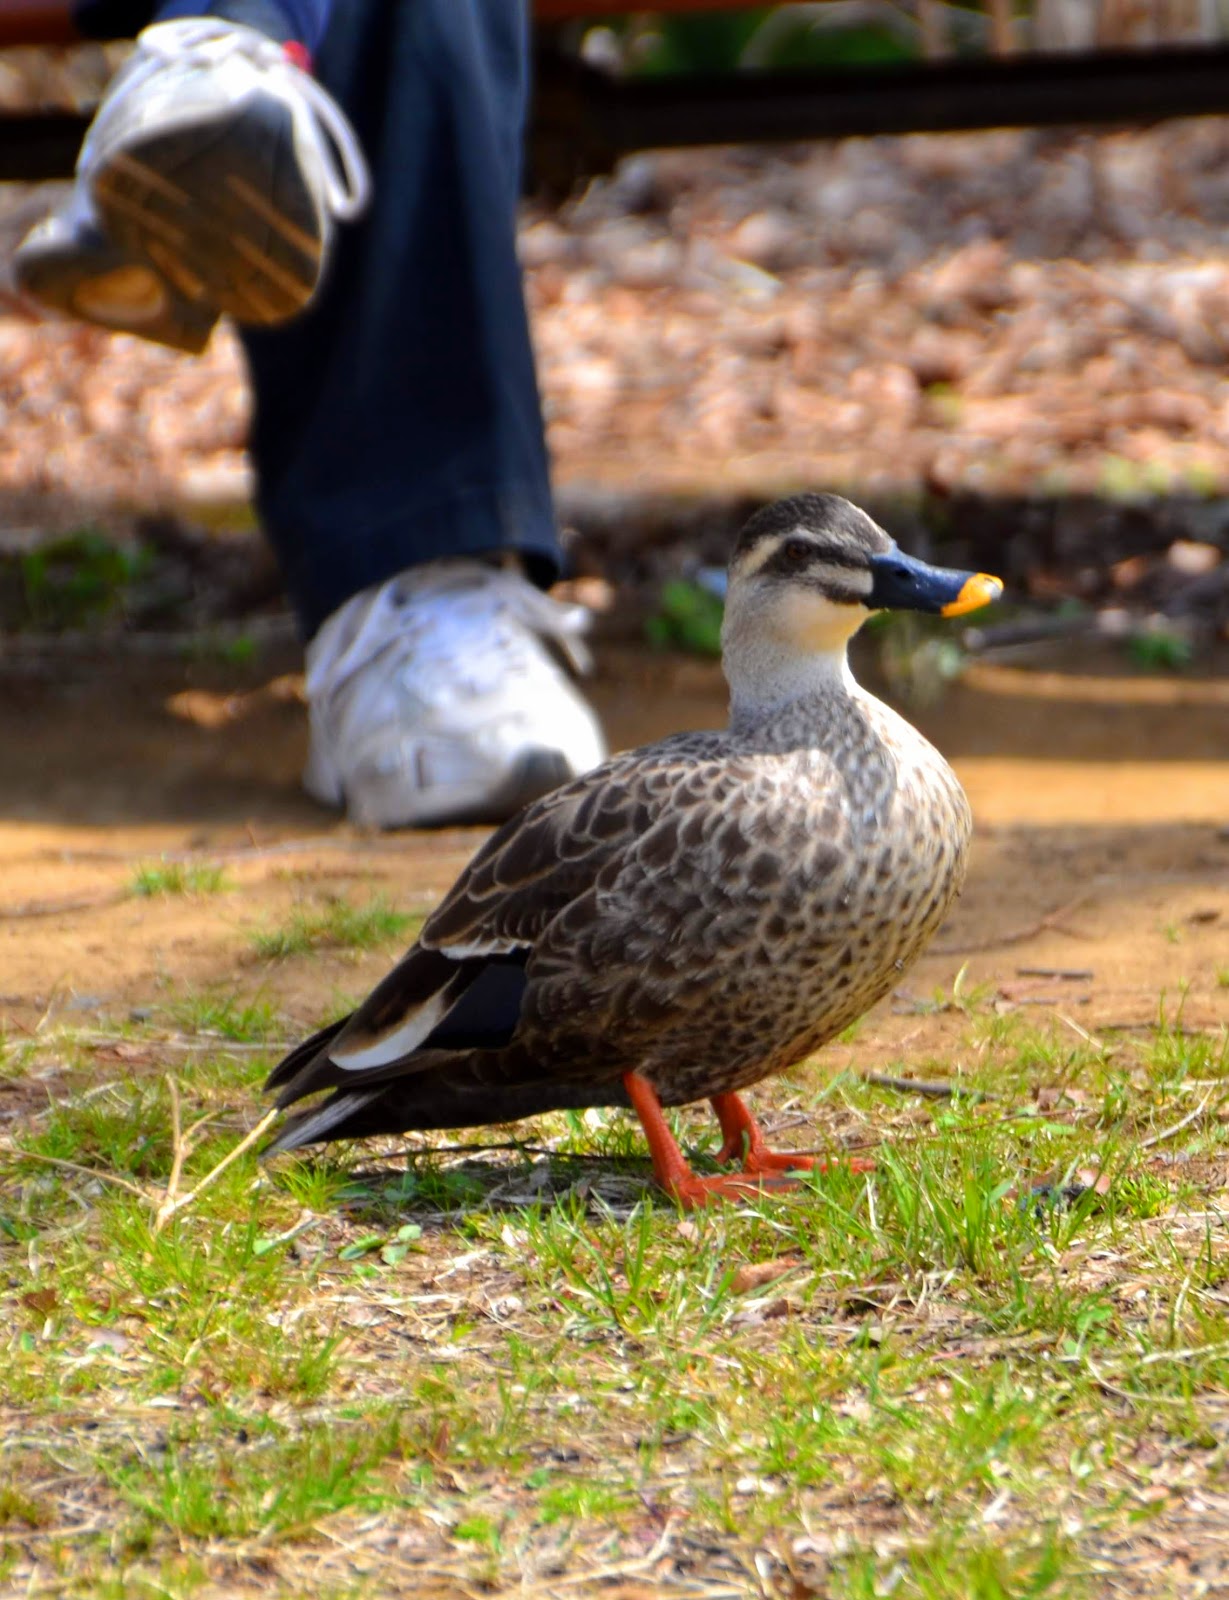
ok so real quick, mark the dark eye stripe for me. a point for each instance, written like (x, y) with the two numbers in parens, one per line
(843, 597)
(781, 564)
(842, 558)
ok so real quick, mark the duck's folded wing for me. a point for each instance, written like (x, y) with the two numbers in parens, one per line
(462, 984)
(679, 935)
(537, 864)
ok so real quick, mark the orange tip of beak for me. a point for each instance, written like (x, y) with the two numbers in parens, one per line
(979, 590)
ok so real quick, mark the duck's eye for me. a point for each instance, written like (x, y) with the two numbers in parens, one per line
(797, 551)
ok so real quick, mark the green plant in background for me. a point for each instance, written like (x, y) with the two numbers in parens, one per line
(232, 649)
(1160, 649)
(689, 618)
(79, 579)
(781, 37)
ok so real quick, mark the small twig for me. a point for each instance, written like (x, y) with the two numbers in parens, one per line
(102, 649)
(182, 1146)
(346, 844)
(205, 1040)
(1177, 1357)
(56, 908)
(931, 1089)
(171, 1207)
(1150, 1027)
(1183, 1219)
(54, 995)
(1083, 1033)
(1068, 974)
(178, 1146)
(1052, 919)
(86, 1172)
(1132, 1396)
(1191, 1116)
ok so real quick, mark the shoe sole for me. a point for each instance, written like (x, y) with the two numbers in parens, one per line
(79, 284)
(221, 209)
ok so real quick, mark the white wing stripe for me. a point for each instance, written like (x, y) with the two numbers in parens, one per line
(406, 1036)
(485, 947)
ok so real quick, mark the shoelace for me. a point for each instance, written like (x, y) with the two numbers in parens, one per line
(378, 620)
(206, 41)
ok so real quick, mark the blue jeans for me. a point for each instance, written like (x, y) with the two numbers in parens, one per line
(398, 419)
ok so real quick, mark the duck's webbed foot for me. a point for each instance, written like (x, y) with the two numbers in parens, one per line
(763, 1169)
(744, 1140)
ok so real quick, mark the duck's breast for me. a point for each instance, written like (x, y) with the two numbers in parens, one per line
(907, 828)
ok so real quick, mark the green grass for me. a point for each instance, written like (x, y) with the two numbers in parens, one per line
(228, 1017)
(335, 924)
(359, 1373)
(154, 878)
(77, 580)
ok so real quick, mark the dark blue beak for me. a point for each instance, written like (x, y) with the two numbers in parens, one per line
(903, 583)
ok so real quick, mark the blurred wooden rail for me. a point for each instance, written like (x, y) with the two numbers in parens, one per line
(585, 119)
(36, 22)
(51, 21)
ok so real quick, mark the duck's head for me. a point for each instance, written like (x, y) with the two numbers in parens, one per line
(805, 575)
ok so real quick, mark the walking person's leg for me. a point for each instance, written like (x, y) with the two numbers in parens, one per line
(401, 468)
(399, 421)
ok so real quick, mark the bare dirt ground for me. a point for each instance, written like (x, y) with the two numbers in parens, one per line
(1100, 802)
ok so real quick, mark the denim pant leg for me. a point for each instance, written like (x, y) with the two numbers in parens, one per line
(302, 20)
(398, 420)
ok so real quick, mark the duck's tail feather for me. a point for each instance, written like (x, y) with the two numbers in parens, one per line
(321, 1123)
(452, 1007)
(465, 1090)
(304, 1053)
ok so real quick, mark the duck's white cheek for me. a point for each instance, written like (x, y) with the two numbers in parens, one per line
(815, 623)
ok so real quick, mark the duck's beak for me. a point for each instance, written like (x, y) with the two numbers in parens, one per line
(903, 583)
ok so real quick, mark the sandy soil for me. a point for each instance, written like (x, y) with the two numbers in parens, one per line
(1102, 849)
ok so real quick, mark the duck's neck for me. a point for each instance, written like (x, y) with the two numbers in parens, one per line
(769, 674)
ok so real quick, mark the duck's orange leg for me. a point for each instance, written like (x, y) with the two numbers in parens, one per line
(744, 1139)
(676, 1177)
(669, 1167)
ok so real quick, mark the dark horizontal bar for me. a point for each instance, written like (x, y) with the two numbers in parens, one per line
(584, 119)
(39, 145)
(934, 97)
(37, 22)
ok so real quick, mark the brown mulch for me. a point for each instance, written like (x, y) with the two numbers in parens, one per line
(1006, 314)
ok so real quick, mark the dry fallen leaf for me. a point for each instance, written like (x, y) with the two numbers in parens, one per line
(755, 1274)
(1049, 1097)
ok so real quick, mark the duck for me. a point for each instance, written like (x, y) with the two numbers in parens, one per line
(692, 916)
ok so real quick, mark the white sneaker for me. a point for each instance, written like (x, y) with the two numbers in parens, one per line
(435, 699)
(209, 181)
